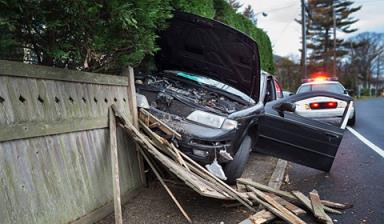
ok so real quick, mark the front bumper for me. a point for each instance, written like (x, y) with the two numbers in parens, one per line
(203, 144)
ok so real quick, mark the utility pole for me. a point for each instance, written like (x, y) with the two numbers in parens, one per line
(304, 39)
(334, 38)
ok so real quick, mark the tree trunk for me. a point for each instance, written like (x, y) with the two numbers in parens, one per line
(326, 43)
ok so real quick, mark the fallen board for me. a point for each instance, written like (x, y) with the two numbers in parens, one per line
(198, 183)
(272, 209)
(260, 217)
(285, 214)
(318, 208)
(279, 192)
(293, 208)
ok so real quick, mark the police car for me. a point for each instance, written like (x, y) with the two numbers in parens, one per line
(323, 107)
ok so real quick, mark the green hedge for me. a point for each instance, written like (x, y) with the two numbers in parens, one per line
(102, 36)
(226, 14)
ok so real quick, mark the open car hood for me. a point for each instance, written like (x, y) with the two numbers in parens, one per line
(210, 48)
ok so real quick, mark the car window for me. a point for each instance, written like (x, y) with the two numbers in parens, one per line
(329, 87)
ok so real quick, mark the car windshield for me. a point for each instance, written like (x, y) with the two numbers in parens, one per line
(216, 84)
(329, 87)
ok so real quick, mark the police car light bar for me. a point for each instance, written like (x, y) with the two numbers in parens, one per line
(319, 79)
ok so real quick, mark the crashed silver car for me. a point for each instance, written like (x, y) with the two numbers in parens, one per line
(209, 88)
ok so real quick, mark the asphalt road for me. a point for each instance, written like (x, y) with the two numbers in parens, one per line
(357, 175)
(370, 120)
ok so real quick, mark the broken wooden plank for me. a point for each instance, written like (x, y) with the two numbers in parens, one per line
(272, 209)
(196, 168)
(264, 216)
(146, 116)
(279, 192)
(336, 204)
(266, 188)
(205, 173)
(317, 208)
(288, 215)
(161, 141)
(166, 147)
(260, 217)
(115, 167)
(241, 187)
(191, 179)
(178, 156)
(166, 187)
(293, 208)
(307, 203)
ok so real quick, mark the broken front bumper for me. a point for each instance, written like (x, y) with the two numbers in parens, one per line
(202, 143)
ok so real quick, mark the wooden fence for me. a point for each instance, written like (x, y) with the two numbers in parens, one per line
(55, 164)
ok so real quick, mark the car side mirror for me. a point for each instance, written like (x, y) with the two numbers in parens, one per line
(291, 94)
(290, 107)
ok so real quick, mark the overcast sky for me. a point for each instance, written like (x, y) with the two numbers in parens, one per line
(285, 33)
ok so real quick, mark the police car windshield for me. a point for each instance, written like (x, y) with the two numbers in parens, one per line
(329, 87)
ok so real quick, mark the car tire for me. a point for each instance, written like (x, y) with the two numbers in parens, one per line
(352, 121)
(235, 168)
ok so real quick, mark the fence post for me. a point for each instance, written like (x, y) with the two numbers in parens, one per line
(128, 71)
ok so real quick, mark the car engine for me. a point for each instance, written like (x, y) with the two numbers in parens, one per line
(181, 97)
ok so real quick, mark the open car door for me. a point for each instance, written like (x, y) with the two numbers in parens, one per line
(287, 135)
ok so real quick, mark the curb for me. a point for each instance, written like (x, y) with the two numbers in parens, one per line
(277, 176)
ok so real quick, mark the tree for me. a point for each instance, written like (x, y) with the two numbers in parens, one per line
(235, 5)
(288, 72)
(104, 36)
(366, 50)
(249, 13)
(227, 15)
(320, 29)
(88, 35)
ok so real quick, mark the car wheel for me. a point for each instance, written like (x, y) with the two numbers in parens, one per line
(235, 168)
(352, 121)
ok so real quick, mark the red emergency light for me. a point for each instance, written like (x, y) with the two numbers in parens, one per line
(319, 77)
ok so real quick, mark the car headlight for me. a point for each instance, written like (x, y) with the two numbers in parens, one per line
(212, 120)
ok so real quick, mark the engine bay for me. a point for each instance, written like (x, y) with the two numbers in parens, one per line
(181, 96)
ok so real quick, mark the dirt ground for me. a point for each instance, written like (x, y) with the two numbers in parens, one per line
(153, 205)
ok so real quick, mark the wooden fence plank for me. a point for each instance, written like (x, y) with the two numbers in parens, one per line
(37, 129)
(18, 69)
(115, 167)
(56, 151)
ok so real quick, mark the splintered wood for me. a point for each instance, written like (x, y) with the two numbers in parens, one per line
(275, 206)
(187, 170)
(318, 208)
(274, 203)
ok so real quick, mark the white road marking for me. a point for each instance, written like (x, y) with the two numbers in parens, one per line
(374, 147)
